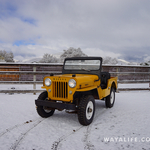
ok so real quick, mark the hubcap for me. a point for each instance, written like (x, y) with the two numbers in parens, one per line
(89, 110)
(47, 110)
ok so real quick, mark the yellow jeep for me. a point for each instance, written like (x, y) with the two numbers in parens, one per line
(80, 83)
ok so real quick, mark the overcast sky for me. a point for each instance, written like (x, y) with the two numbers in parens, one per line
(115, 28)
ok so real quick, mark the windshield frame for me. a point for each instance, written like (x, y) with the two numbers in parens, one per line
(84, 71)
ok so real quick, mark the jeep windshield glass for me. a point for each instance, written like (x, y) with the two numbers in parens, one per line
(86, 65)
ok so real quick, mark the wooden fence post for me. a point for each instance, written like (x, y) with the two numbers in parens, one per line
(34, 79)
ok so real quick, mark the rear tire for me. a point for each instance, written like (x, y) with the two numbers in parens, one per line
(110, 99)
(42, 110)
(86, 110)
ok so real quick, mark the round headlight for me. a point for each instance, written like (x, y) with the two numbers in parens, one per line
(47, 82)
(72, 83)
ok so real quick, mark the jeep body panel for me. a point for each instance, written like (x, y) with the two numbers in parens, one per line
(105, 92)
(60, 91)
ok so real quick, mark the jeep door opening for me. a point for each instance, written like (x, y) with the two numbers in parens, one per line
(80, 83)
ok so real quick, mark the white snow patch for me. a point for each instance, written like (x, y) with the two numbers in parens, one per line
(22, 129)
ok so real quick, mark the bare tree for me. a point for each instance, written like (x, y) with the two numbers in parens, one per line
(109, 60)
(48, 58)
(72, 52)
(7, 56)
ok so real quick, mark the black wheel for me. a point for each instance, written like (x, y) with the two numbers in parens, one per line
(110, 99)
(42, 110)
(86, 110)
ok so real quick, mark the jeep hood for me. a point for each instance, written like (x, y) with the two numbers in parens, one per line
(83, 80)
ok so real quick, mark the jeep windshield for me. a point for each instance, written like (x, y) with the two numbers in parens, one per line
(86, 65)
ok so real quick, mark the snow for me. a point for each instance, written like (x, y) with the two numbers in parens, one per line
(135, 85)
(19, 87)
(22, 129)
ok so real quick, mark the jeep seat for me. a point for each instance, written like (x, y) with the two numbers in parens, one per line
(104, 78)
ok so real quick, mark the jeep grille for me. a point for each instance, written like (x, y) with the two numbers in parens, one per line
(60, 89)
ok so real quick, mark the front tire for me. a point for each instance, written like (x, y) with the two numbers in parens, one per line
(86, 110)
(42, 110)
(110, 99)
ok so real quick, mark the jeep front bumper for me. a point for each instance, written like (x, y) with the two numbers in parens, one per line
(55, 105)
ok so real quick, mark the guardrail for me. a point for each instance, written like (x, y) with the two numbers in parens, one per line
(125, 74)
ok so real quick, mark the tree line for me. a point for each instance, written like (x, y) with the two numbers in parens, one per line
(6, 56)
(71, 52)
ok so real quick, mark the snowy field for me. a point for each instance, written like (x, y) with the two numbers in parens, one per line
(125, 126)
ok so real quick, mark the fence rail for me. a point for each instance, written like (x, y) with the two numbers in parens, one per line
(28, 72)
(12, 73)
(58, 72)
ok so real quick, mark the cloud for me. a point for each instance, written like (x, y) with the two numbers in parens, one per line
(29, 51)
(111, 27)
(100, 53)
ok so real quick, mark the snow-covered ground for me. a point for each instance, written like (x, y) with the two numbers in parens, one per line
(125, 126)
(19, 86)
(136, 85)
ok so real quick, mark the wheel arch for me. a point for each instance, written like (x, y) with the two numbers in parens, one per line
(79, 94)
(114, 86)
